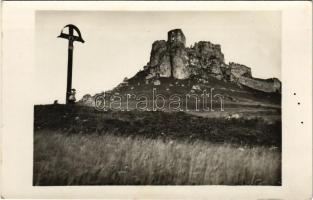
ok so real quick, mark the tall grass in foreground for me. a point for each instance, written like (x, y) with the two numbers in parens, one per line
(114, 160)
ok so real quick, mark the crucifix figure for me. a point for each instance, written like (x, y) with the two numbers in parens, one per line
(71, 37)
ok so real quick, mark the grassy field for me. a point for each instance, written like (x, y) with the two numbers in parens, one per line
(75, 145)
(155, 125)
(107, 159)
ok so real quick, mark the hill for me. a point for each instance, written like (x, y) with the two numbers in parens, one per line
(190, 73)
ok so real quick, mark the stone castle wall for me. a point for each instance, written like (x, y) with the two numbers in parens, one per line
(238, 70)
(176, 37)
(272, 85)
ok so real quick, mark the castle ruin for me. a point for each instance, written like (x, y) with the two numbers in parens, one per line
(173, 59)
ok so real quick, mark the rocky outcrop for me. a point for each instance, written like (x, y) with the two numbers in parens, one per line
(169, 58)
(172, 59)
(159, 64)
(207, 59)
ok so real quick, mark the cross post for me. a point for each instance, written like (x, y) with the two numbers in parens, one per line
(71, 38)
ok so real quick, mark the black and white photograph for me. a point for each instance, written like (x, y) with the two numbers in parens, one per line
(158, 98)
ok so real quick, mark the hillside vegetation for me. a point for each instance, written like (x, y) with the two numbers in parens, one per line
(155, 124)
(76, 145)
(114, 160)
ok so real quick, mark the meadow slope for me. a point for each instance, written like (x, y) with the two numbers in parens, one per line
(81, 159)
(76, 145)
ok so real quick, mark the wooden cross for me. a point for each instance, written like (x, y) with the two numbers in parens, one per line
(71, 38)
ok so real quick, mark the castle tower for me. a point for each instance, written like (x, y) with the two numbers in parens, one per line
(176, 37)
(176, 42)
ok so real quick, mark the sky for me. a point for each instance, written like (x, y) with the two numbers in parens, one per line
(118, 44)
